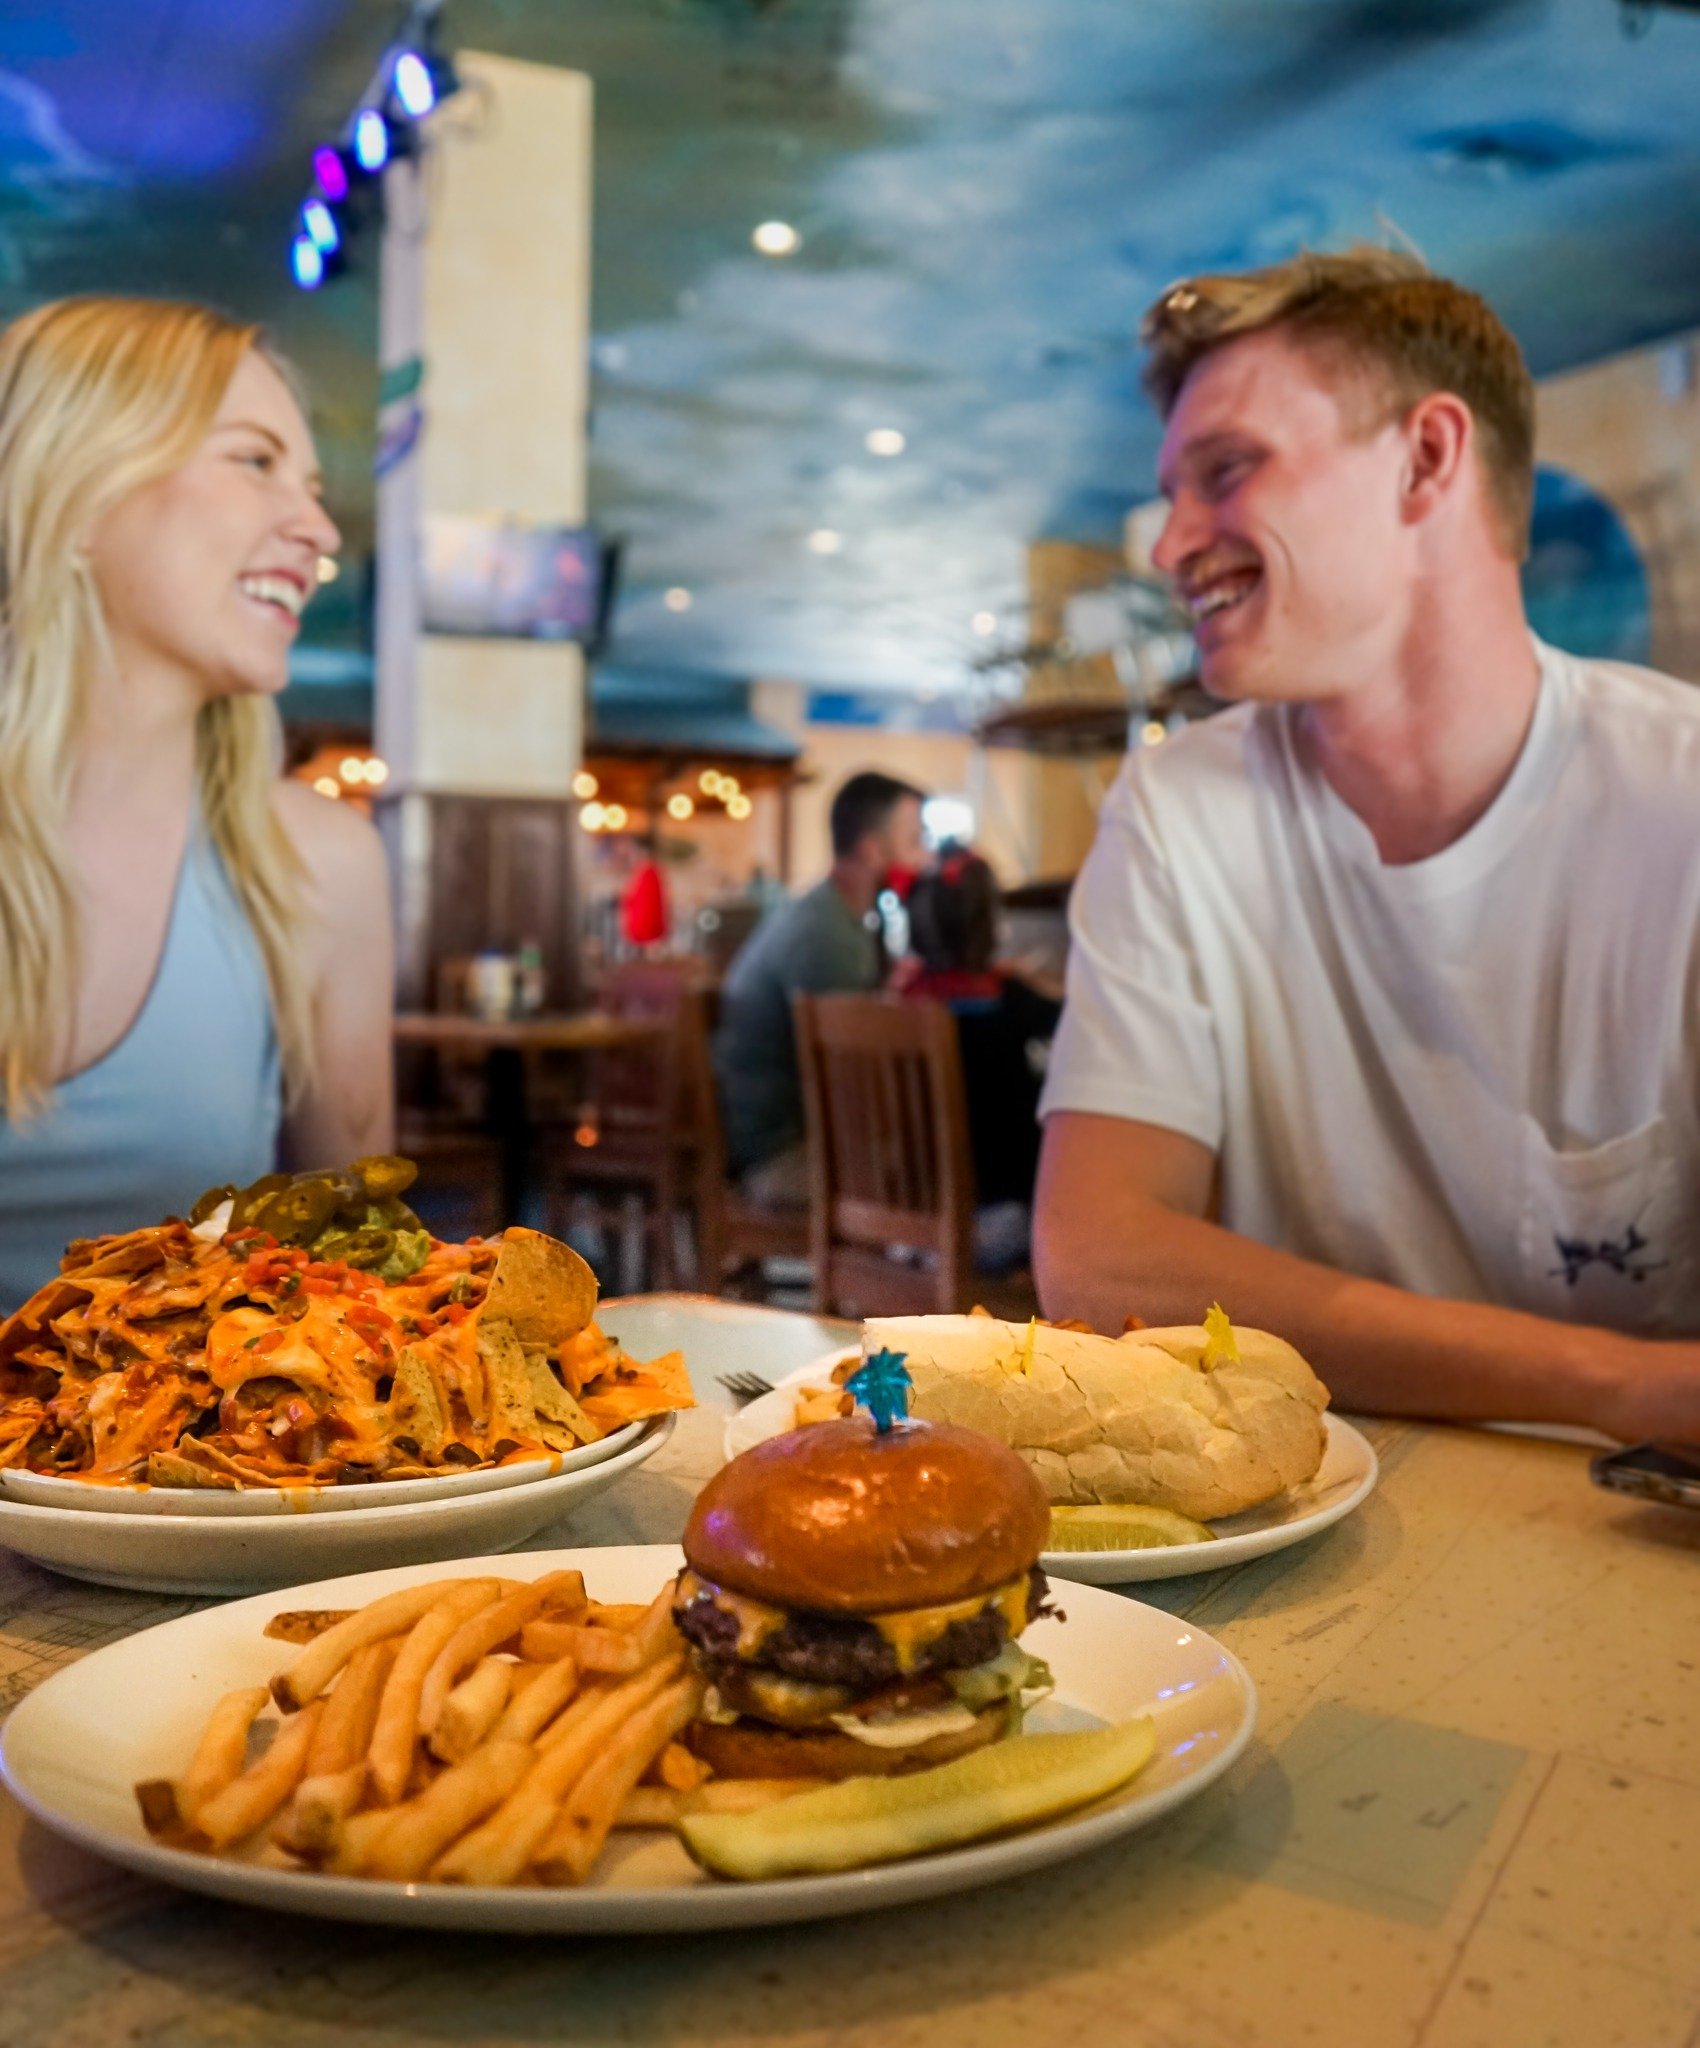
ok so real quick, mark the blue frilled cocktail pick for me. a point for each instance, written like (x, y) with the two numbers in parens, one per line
(882, 1387)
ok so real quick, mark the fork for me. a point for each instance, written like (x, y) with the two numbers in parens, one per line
(745, 1386)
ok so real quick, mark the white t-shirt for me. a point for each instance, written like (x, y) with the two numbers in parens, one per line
(1477, 1075)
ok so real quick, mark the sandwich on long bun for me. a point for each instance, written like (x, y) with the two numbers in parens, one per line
(1205, 1421)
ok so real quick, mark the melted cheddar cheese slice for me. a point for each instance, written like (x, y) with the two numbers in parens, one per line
(908, 1630)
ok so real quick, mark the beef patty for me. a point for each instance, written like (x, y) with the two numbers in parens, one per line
(831, 1649)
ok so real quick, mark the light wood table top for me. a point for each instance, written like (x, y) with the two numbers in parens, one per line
(1469, 1819)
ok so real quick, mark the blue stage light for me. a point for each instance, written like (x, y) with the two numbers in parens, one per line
(317, 219)
(371, 140)
(307, 261)
(331, 172)
(414, 85)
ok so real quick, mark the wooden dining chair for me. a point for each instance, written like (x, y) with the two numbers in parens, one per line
(892, 1203)
(625, 1130)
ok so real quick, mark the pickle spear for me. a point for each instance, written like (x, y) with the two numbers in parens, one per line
(1123, 1526)
(877, 1820)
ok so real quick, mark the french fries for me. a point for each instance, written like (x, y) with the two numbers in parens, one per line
(335, 1772)
(499, 1851)
(325, 1656)
(591, 1649)
(596, 1646)
(539, 1693)
(470, 1711)
(661, 1806)
(482, 1632)
(573, 1843)
(252, 1799)
(461, 1731)
(304, 1623)
(679, 1768)
(390, 1755)
(219, 1755)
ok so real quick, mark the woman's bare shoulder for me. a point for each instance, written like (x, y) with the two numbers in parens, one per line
(340, 847)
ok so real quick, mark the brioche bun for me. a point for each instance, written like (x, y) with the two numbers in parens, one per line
(748, 1748)
(839, 1518)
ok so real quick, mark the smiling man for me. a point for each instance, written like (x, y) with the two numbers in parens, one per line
(1382, 1021)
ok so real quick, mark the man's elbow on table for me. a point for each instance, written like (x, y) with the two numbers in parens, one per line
(1114, 1204)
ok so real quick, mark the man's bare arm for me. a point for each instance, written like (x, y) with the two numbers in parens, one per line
(1120, 1229)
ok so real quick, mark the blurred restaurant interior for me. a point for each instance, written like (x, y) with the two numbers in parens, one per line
(720, 397)
(747, 611)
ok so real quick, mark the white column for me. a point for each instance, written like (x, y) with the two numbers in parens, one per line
(486, 284)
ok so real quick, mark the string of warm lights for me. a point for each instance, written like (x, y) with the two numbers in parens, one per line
(357, 772)
(713, 784)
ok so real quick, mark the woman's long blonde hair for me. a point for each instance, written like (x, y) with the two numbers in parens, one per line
(97, 397)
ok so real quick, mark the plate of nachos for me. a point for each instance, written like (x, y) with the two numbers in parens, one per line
(304, 1345)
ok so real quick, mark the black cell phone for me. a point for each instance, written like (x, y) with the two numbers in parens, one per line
(1662, 1472)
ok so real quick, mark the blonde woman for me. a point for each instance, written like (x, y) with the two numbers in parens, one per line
(194, 953)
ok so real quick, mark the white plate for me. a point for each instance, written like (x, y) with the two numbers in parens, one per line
(73, 1750)
(722, 1336)
(196, 1554)
(1346, 1476)
(49, 1490)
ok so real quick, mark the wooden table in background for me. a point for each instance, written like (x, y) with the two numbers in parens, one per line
(505, 1044)
(1468, 1820)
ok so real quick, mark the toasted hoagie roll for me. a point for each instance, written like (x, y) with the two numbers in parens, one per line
(1204, 1422)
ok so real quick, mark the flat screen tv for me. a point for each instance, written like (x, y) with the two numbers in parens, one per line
(511, 579)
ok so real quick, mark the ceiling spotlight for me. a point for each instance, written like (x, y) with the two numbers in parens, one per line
(614, 817)
(351, 768)
(320, 224)
(985, 622)
(371, 141)
(823, 541)
(414, 86)
(680, 806)
(886, 441)
(331, 172)
(377, 771)
(329, 569)
(327, 785)
(307, 263)
(585, 785)
(729, 786)
(709, 782)
(738, 807)
(678, 599)
(592, 817)
(777, 238)
(1153, 734)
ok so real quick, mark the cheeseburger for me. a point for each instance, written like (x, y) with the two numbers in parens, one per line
(853, 1598)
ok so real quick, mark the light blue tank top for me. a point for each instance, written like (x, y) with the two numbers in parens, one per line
(190, 1096)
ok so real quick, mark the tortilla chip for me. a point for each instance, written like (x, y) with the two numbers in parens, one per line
(195, 1464)
(39, 1313)
(509, 1384)
(553, 1404)
(417, 1407)
(18, 1431)
(137, 1251)
(631, 1392)
(583, 1357)
(542, 1287)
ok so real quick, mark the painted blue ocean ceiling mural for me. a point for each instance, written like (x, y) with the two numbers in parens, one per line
(840, 443)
